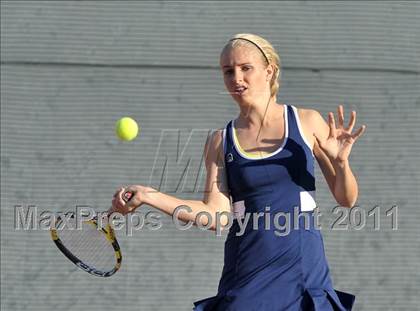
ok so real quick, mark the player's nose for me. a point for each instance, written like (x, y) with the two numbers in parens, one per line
(238, 77)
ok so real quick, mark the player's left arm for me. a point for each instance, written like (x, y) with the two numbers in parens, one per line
(331, 146)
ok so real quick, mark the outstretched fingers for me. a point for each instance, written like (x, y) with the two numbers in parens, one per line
(359, 132)
(340, 112)
(352, 121)
(331, 124)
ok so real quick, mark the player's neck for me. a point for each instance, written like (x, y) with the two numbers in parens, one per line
(260, 114)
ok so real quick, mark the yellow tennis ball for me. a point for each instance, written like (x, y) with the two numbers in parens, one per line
(126, 128)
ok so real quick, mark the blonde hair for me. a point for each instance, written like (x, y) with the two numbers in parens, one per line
(268, 54)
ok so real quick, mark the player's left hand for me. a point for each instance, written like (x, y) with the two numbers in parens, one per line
(340, 140)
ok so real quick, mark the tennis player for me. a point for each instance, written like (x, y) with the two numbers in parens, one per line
(263, 162)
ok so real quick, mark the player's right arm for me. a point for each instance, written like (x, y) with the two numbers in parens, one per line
(215, 200)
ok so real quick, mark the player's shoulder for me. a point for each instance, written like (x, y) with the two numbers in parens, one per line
(309, 116)
(312, 121)
(214, 147)
(215, 139)
(308, 113)
(216, 136)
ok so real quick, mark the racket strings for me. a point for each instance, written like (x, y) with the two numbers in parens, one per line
(89, 245)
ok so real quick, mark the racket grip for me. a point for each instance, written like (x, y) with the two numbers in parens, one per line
(127, 196)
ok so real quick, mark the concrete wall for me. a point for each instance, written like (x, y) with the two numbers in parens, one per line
(70, 69)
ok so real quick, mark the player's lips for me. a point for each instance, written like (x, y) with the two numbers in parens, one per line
(240, 90)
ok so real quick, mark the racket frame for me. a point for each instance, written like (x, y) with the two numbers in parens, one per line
(110, 236)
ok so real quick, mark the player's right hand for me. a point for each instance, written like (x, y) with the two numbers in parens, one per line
(127, 199)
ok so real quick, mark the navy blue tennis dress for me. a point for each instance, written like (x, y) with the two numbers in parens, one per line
(275, 262)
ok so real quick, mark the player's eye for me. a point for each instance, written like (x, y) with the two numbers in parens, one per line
(228, 72)
(246, 68)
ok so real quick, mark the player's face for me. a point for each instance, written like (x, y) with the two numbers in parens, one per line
(245, 74)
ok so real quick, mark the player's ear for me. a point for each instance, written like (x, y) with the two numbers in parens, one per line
(269, 72)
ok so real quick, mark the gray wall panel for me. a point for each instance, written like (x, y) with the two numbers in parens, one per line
(312, 34)
(71, 69)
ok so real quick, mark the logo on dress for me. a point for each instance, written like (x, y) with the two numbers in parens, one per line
(229, 157)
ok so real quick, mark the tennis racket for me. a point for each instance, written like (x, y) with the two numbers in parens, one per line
(92, 248)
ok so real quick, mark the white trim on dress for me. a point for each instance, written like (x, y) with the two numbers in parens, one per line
(300, 129)
(286, 135)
